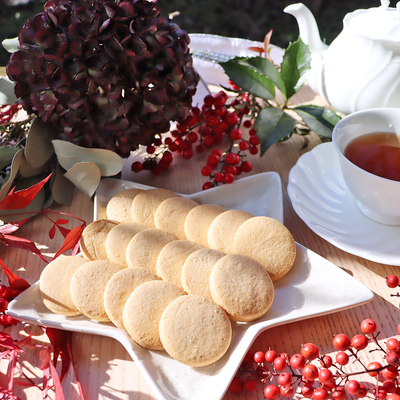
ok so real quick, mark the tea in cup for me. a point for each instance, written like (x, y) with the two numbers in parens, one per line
(368, 144)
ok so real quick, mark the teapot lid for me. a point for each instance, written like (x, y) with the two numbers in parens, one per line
(379, 23)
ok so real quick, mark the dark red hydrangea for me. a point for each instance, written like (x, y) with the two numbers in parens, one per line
(104, 73)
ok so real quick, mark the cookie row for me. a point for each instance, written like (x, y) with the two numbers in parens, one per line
(231, 231)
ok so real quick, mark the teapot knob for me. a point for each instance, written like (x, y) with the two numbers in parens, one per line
(385, 3)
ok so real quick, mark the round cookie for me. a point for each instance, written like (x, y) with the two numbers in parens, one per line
(199, 220)
(221, 234)
(119, 207)
(118, 239)
(119, 288)
(195, 275)
(171, 215)
(55, 282)
(242, 287)
(88, 285)
(269, 242)
(143, 310)
(171, 259)
(145, 204)
(195, 331)
(93, 239)
(144, 248)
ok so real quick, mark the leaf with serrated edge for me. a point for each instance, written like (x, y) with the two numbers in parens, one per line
(249, 79)
(7, 95)
(39, 148)
(85, 176)
(69, 154)
(266, 67)
(7, 153)
(9, 179)
(272, 125)
(295, 67)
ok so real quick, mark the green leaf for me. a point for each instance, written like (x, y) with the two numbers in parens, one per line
(295, 66)
(272, 125)
(7, 95)
(27, 170)
(264, 66)
(11, 45)
(85, 176)
(7, 153)
(69, 154)
(249, 79)
(9, 179)
(63, 188)
(39, 148)
(318, 119)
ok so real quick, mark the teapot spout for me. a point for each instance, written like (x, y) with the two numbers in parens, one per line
(309, 34)
(308, 27)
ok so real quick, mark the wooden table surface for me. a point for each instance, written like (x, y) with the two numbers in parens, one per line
(104, 367)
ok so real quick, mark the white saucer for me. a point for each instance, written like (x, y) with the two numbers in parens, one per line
(320, 197)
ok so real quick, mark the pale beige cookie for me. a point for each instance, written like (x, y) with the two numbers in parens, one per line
(143, 310)
(195, 331)
(199, 220)
(242, 287)
(171, 259)
(88, 285)
(269, 242)
(221, 234)
(145, 204)
(118, 239)
(119, 288)
(119, 207)
(55, 282)
(93, 239)
(195, 276)
(145, 246)
(171, 215)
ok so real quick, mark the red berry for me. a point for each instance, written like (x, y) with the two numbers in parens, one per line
(219, 100)
(173, 147)
(236, 385)
(393, 397)
(229, 178)
(325, 375)
(192, 137)
(310, 351)
(182, 128)
(206, 170)
(372, 366)
(232, 158)
(191, 120)
(254, 140)
(339, 393)
(297, 361)
(280, 363)
(342, 358)
(250, 385)
(231, 118)
(11, 320)
(249, 357)
(3, 304)
(307, 391)
(392, 358)
(341, 342)
(247, 123)
(3, 291)
(4, 320)
(167, 157)
(352, 386)
(219, 177)
(137, 166)
(252, 132)
(213, 159)
(392, 281)
(359, 342)
(271, 392)
(270, 355)
(208, 141)
(259, 357)
(310, 372)
(327, 361)
(368, 326)
(389, 386)
(196, 111)
(285, 379)
(390, 373)
(156, 170)
(253, 150)
(320, 394)
(187, 154)
(200, 148)
(246, 166)
(287, 390)
(235, 134)
(209, 100)
(207, 185)
(362, 392)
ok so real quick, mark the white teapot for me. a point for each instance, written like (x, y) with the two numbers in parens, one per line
(361, 68)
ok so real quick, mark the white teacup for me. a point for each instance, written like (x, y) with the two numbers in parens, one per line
(376, 197)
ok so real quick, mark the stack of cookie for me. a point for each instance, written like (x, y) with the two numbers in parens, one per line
(172, 272)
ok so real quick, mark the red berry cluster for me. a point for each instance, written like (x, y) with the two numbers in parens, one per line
(218, 121)
(6, 295)
(7, 112)
(320, 377)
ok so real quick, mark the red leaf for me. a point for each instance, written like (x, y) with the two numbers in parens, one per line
(12, 227)
(52, 232)
(56, 383)
(78, 383)
(22, 198)
(71, 241)
(14, 241)
(64, 231)
(15, 281)
(62, 221)
(11, 369)
(257, 49)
